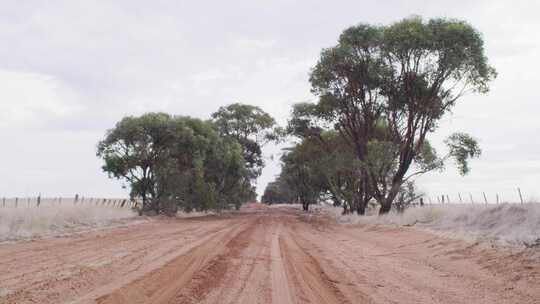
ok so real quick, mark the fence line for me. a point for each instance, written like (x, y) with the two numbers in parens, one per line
(39, 201)
(496, 198)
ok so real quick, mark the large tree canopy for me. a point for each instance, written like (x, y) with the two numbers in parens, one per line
(251, 127)
(134, 150)
(385, 88)
(173, 162)
(318, 168)
(278, 192)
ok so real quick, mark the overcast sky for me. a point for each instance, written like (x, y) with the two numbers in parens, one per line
(70, 69)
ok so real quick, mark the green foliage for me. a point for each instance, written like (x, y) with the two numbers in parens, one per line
(427, 159)
(278, 192)
(135, 149)
(406, 196)
(385, 88)
(251, 127)
(462, 147)
(301, 176)
(176, 162)
(381, 159)
(318, 168)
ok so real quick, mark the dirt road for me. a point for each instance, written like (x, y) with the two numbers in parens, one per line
(263, 255)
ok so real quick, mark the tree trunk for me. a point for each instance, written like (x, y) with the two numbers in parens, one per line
(346, 208)
(359, 202)
(361, 208)
(143, 203)
(386, 202)
(385, 207)
(156, 205)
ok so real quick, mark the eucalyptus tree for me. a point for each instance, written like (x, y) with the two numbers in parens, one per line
(338, 154)
(301, 177)
(332, 159)
(432, 65)
(315, 170)
(336, 162)
(226, 171)
(251, 127)
(173, 162)
(385, 88)
(205, 168)
(278, 192)
(134, 150)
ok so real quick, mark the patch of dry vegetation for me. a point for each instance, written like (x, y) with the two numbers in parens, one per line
(23, 222)
(508, 224)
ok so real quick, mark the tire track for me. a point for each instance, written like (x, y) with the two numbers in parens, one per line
(311, 283)
(262, 255)
(281, 293)
(236, 273)
(164, 284)
(65, 273)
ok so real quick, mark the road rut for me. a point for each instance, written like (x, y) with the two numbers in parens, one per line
(263, 255)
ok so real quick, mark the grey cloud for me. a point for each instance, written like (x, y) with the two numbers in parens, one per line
(111, 59)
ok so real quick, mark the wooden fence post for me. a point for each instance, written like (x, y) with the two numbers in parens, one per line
(38, 200)
(485, 198)
(76, 199)
(520, 196)
(16, 202)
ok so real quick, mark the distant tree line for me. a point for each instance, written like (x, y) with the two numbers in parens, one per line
(178, 162)
(382, 90)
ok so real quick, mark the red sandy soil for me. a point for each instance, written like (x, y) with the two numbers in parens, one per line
(263, 255)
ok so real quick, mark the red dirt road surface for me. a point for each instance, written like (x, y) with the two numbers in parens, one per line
(263, 255)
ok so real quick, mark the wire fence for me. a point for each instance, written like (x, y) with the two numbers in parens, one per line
(515, 197)
(38, 201)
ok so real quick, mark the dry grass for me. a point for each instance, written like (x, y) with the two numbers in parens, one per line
(52, 218)
(509, 224)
